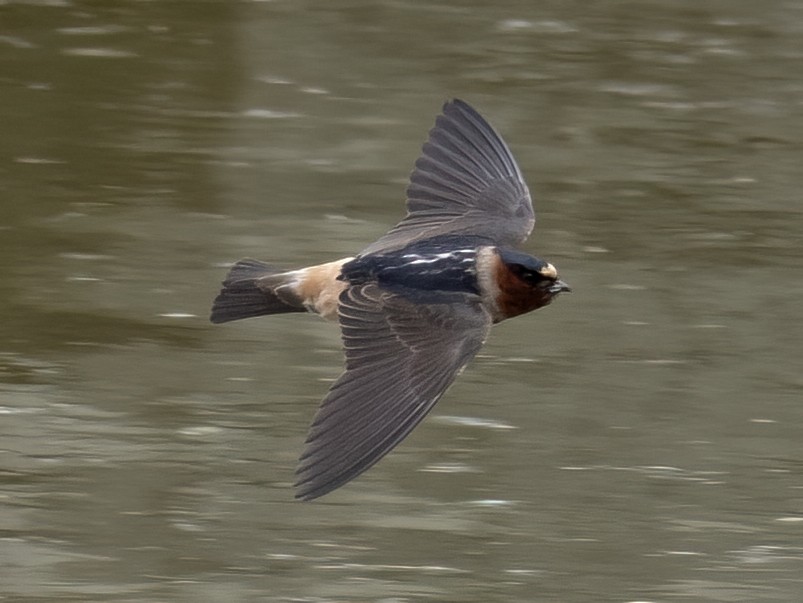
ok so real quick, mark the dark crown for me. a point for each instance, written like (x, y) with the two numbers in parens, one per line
(527, 267)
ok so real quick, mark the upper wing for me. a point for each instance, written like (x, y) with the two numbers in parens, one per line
(400, 357)
(465, 182)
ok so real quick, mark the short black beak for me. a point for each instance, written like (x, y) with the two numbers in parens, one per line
(560, 287)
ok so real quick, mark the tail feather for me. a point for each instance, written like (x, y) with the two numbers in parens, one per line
(249, 291)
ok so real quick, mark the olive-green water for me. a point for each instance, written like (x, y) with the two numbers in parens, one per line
(639, 440)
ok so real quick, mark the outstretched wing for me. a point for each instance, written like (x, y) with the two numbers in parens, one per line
(400, 358)
(466, 182)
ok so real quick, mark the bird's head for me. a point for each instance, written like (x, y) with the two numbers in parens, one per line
(526, 283)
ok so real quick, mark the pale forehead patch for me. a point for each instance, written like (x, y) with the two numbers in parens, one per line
(548, 271)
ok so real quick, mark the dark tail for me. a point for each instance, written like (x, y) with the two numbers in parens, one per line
(253, 288)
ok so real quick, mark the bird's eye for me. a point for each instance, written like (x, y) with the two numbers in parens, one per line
(529, 276)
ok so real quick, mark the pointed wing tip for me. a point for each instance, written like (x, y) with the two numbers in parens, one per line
(453, 101)
(314, 479)
(303, 495)
(454, 105)
(308, 488)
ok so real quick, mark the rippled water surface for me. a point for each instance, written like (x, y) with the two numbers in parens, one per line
(639, 440)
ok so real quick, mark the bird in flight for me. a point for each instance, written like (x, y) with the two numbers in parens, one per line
(415, 306)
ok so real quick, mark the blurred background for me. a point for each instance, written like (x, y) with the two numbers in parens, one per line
(638, 440)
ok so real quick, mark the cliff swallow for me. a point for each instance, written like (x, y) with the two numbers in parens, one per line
(415, 306)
